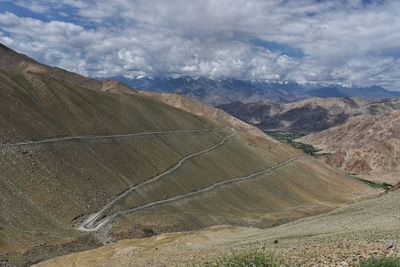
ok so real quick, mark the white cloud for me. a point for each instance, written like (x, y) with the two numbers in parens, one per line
(341, 40)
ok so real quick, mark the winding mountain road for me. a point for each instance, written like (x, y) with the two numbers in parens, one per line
(90, 223)
(220, 184)
(99, 219)
(94, 137)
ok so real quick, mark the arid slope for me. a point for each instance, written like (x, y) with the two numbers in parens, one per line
(70, 145)
(361, 136)
(339, 238)
(365, 145)
(207, 111)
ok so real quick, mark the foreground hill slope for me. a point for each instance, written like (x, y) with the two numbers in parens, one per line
(365, 145)
(339, 238)
(119, 164)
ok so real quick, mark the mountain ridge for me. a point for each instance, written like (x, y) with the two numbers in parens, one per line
(11, 60)
(226, 90)
(365, 145)
(309, 115)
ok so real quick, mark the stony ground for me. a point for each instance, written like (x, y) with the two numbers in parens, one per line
(205, 246)
(339, 238)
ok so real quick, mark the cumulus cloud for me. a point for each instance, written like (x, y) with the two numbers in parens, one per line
(355, 41)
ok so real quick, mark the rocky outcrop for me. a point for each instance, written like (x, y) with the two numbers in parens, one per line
(365, 145)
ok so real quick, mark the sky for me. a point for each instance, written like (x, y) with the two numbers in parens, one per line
(334, 41)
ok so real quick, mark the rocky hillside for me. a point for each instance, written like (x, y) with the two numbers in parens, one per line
(86, 162)
(310, 115)
(340, 238)
(365, 145)
(361, 136)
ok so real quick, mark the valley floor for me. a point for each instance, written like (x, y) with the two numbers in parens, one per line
(338, 238)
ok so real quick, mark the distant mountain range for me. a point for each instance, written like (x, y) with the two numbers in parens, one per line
(221, 91)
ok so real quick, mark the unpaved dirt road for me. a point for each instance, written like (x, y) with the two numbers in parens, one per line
(94, 137)
(91, 224)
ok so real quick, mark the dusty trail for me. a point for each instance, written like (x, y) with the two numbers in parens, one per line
(90, 223)
(94, 137)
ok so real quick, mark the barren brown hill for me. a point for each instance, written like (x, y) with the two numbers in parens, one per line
(117, 165)
(365, 145)
(204, 110)
(13, 61)
(310, 115)
(339, 238)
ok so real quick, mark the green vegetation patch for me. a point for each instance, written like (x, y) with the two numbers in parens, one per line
(288, 138)
(148, 232)
(246, 259)
(383, 186)
(389, 261)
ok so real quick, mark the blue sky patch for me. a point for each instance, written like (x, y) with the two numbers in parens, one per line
(324, 40)
(65, 14)
(284, 49)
